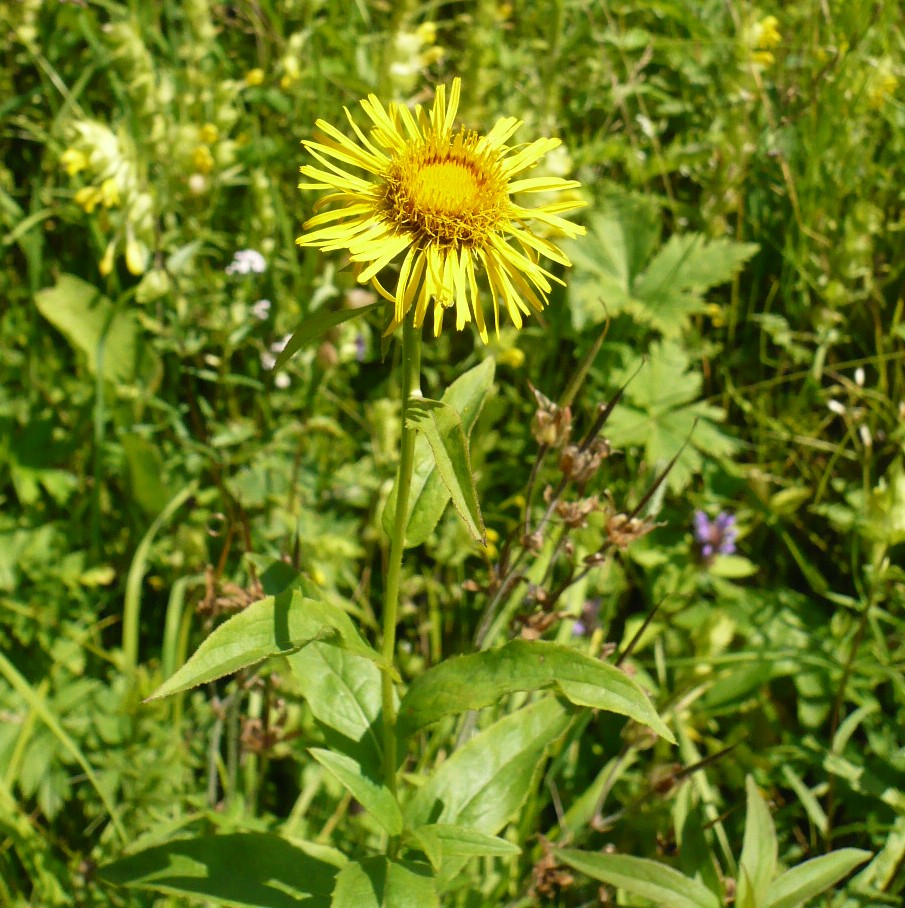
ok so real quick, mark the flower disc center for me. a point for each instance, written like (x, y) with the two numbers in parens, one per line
(447, 187)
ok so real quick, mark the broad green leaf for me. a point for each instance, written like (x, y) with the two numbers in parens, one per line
(273, 626)
(485, 782)
(343, 692)
(429, 495)
(373, 795)
(662, 411)
(439, 840)
(759, 850)
(621, 237)
(665, 887)
(248, 870)
(95, 327)
(441, 426)
(471, 682)
(616, 270)
(315, 325)
(812, 877)
(673, 284)
(380, 883)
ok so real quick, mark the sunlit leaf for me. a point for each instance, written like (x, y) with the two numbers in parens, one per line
(481, 679)
(663, 886)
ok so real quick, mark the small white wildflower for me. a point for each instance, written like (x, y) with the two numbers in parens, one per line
(835, 407)
(268, 360)
(261, 309)
(279, 346)
(198, 186)
(866, 438)
(859, 377)
(247, 261)
(282, 380)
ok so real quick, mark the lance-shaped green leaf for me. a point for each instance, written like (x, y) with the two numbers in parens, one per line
(663, 886)
(247, 870)
(803, 882)
(380, 883)
(273, 626)
(441, 426)
(443, 840)
(429, 495)
(759, 850)
(485, 782)
(373, 795)
(315, 325)
(480, 679)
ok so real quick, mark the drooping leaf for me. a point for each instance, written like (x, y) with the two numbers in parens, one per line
(665, 887)
(809, 879)
(343, 691)
(276, 625)
(104, 334)
(381, 883)
(429, 495)
(440, 425)
(759, 851)
(371, 793)
(485, 782)
(317, 324)
(247, 870)
(472, 682)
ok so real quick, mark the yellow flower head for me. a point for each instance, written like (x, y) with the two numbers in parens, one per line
(254, 77)
(442, 198)
(74, 161)
(202, 159)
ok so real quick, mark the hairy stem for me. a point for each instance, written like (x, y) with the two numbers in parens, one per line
(410, 366)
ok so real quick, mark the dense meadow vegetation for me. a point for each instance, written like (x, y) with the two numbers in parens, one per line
(682, 498)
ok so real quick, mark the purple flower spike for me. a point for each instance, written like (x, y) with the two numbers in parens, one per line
(715, 537)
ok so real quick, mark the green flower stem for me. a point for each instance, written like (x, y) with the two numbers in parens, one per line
(411, 363)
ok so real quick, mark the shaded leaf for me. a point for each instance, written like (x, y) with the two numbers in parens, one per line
(317, 324)
(251, 870)
(471, 682)
(373, 795)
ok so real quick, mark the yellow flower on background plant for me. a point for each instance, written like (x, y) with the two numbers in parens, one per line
(442, 198)
(74, 161)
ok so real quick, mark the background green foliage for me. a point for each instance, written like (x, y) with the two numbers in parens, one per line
(156, 472)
